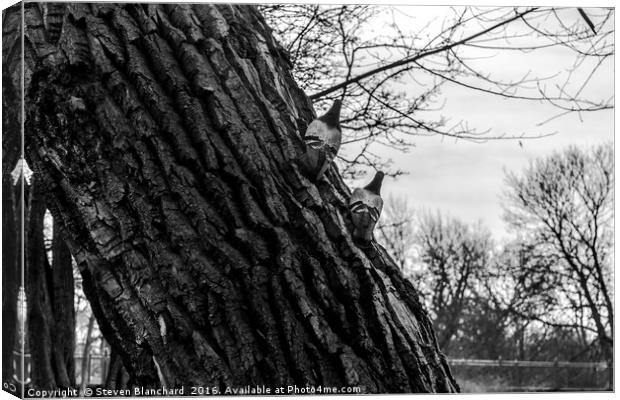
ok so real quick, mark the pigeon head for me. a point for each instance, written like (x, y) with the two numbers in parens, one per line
(375, 185)
(332, 116)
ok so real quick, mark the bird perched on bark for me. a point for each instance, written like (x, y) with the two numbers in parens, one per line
(322, 139)
(365, 206)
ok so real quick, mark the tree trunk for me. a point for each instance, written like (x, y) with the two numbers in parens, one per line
(63, 337)
(49, 294)
(166, 137)
(38, 279)
(115, 375)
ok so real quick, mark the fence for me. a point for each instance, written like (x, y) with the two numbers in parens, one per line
(96, 369)
(471, 374)
(530, 376)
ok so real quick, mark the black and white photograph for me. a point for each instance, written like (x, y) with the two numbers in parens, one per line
(210, 199)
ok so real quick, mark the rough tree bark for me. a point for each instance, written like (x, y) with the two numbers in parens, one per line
(165, 136)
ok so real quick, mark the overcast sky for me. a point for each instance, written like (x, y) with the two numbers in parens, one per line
(466, 179)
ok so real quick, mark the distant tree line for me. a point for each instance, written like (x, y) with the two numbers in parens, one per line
(545, 294)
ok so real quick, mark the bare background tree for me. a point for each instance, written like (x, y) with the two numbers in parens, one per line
(455, 256)
(544, 293)
(565, 203)
(396, 231)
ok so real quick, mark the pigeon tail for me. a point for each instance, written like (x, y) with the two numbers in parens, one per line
(332, 116)
(375, 185)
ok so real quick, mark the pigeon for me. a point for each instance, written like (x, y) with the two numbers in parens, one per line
(322, 140)
(365, 206)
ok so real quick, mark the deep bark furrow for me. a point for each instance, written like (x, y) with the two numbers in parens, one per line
(53, 15)
(292, 336)
(266, 324)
